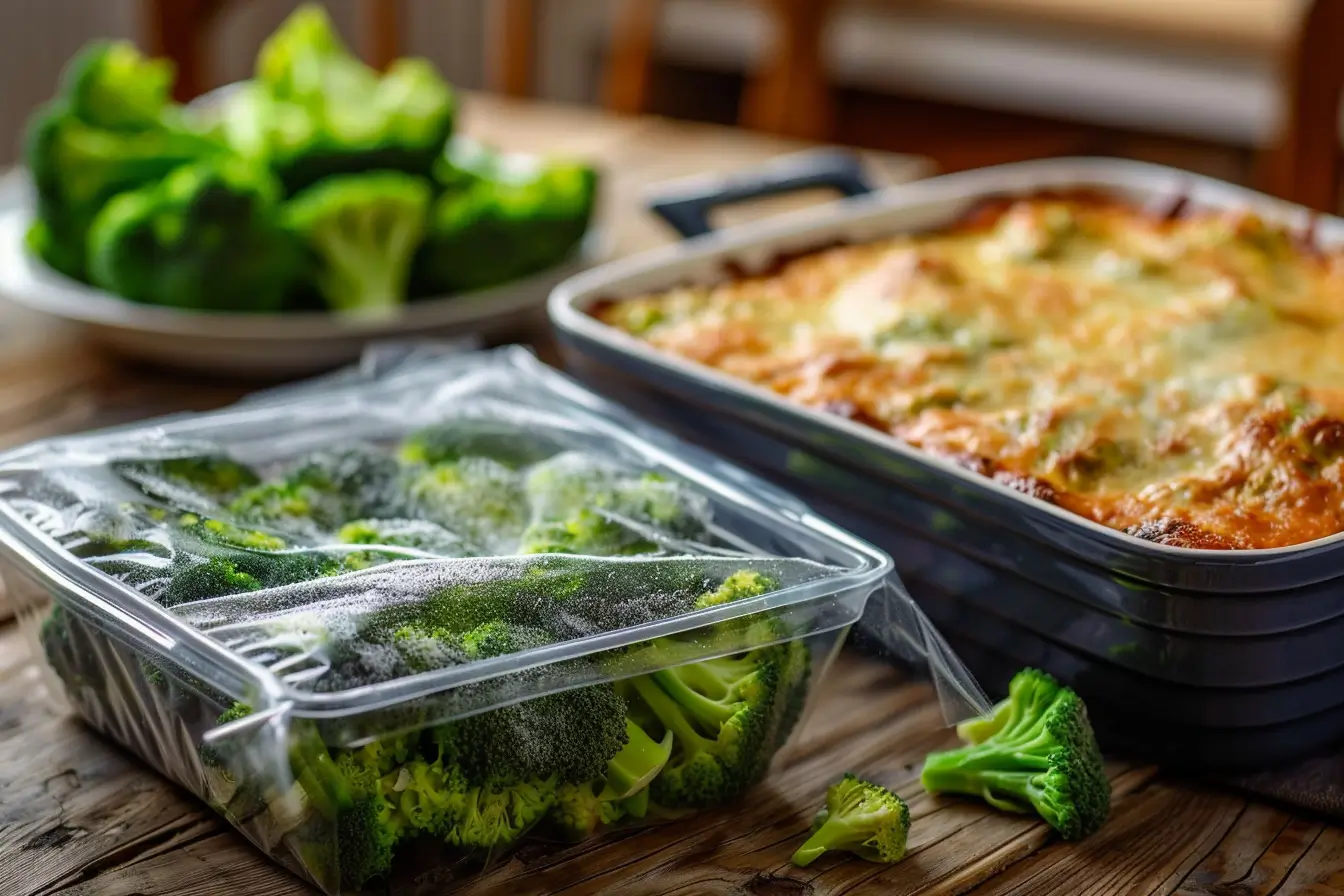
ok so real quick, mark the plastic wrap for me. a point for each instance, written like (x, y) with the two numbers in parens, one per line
(445, 600)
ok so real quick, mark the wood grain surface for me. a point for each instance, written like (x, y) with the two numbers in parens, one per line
(81, 816)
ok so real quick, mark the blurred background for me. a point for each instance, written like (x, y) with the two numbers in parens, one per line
(1246, 90)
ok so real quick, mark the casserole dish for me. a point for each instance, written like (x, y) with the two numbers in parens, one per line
(356, 636)
(928, 509)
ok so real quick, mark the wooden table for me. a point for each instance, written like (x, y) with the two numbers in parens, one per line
(80, 817)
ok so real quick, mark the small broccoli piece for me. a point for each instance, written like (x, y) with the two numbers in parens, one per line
(215, 478)
(423, 649)
(501, 218)
(110, 84)
(740, 585)
(1037, 753)
(215, 577)
(497, 814)
(227, 534)
(480, 499)
(421, 537)
(631, 770)
(120, 532)
(362, 229)
(860, 817)
(290, 60)
(430, 796)
(367, 827)
(209, 754)
(568, 483)
(585, 532)
(323, 491)
(579, 812)
(455, 441)
(207, 237)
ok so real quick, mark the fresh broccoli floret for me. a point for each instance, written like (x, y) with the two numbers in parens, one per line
(501, 218)
(234, 713)
(480, 499)
(215, 577)
(110, 84)
(497, 814)
(579, 812)
(77, 168)
(362, 230)
(181, 480)
(207, 237)
(860, 817)
(367, 827)
(1037, 753)
(430, 796)
(316, 111)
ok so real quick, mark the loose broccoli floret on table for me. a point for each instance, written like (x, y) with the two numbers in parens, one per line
(362, 231)
(1036, 753)
(207, 237)
(860, 817)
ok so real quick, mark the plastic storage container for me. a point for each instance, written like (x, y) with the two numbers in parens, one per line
(1212, 620)
(345, 692)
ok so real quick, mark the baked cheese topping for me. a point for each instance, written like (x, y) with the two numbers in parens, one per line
(1181, 379)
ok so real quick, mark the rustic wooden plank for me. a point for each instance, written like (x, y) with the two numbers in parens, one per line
(1260, 850)
(1320, 872)
(1152, 837)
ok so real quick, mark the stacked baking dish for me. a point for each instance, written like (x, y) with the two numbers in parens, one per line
(350, 617)
(1214, 658)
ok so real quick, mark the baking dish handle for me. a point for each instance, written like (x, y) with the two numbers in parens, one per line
(686, 204)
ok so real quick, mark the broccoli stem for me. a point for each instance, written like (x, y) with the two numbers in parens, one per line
(631, 770)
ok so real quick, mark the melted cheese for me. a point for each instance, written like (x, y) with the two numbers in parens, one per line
(1182, 380)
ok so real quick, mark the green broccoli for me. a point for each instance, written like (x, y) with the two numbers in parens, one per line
(860, 817)
(430, 796)
(207, 237)
(111, 85)
(585, 532)
(367, 826)
(399, 539)
(323, 491)
(122, 532)
(227, 534)
(316, 111)
(362, 229)
(77, 168)
(452, 442)
(180, 480)
(215, 577)
(740, 585)
(475, 497)
(579, 812)
(637, 763)
(497, 814)
(1036, 753)
(501, 218)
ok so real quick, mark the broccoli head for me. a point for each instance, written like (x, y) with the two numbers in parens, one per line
(78, 167)
(860, 817)
(362, 230)
(580, 812)
(585, 532)
(207, 237)
(475, 497)
(1036, 753)
(740, 585)
(497, 814)
(112, 85)
(416, 538)
(501, 218)
(323, 491)
(316, 111)
(215, 577)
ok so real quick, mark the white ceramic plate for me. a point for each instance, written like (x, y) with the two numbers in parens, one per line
(258, 345)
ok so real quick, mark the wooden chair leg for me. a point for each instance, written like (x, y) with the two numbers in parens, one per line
(1304, 165)
(382, 32)
(176, 29)
(512, 43)
(628, 79)
(790, 95)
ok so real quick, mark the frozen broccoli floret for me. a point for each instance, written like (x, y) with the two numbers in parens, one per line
(420, 536)
(480, 499)
(323, 492)
(585, 532)
(860, 817)
(178, 480)
(215, 577)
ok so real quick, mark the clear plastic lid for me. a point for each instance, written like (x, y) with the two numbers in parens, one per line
(336, 547)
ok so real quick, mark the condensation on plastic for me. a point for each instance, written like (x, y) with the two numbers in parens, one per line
(159, 604)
